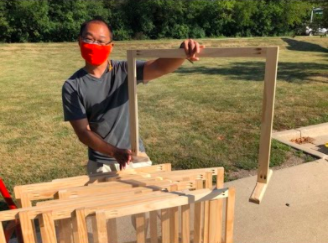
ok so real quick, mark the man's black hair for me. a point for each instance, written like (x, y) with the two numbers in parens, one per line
(96, 19)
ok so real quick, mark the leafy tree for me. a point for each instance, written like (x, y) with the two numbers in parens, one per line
(4, 24)
(28, 20)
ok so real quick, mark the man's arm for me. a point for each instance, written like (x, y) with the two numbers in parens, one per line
(94, 141)
(156, 68)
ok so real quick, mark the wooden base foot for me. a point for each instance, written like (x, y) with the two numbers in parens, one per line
(259, 190)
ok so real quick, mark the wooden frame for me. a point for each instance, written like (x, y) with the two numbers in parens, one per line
(270, 54)
(161, 190)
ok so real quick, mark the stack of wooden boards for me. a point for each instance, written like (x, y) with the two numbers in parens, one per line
(166, 206)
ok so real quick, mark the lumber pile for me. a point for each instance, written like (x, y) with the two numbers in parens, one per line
(164, 205)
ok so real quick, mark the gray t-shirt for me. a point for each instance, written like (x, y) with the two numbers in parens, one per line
(104, 102)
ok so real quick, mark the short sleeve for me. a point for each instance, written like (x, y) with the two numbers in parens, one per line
(72, 106)
(140, 68)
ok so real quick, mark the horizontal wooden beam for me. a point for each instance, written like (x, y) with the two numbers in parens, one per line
(206, 52)
(192, 197)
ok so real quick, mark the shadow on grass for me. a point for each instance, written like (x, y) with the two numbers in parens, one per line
(298, 72)
(295, 45)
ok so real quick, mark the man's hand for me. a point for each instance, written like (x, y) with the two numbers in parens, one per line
(192, 48)
(122, 156)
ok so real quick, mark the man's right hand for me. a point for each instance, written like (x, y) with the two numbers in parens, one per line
(123, 157)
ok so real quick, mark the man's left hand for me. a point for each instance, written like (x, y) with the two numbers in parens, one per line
(192, 48)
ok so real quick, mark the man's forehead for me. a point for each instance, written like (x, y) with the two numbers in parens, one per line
(95, 25)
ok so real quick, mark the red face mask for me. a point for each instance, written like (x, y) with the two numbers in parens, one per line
(95, 54)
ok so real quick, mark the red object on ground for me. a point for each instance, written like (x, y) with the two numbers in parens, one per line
(14, 225)
(6, 195)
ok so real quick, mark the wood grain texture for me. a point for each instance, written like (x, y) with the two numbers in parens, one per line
(153, 226)
(141, 227)
(2, 233)
(133, 103)
(230, 213)
(271, 67)
(47, 228)
(112, 231)
(100, 231)
(80, 232)
(28, 232)
(185, 224)
(253, 52)
(259, 190)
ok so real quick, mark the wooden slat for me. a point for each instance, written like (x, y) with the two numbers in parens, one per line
(185, 226)
(174, 225)
(99, 194)
(165, 222)
(206, 52)
(213, 221)
(208, 184)
(25, 202)
(263, 176)
(64, 210)
(112, 231)
(65, 232)
(198, 216)
(162, 202)
(2, 233)
(50, 191)
(153, 226)
(140, 227)
(267, 113)
(133, 103)
(230, 212)
(28, 231)
(107, 190)
(219, 215)
(56, 185)
(80, 232)
(174, 218)
(47, 228)
(100, 232)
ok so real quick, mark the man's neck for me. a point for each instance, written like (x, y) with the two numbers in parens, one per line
(96, 71)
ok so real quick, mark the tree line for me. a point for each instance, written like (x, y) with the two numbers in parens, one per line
(60, 20)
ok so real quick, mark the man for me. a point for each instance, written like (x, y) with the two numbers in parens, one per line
(95, 98)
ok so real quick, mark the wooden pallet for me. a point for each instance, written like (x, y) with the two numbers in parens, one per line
(175, 196)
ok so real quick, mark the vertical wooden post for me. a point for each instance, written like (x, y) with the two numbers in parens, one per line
(80, 232)
(153, 226)
(133, 103)
(185, 218)
(208, 184)
(29, 235)
(25, 201)
(230, 212)
(100, 233)
(264, 173)
(140, 227)
(112, 230)
(165, 221)
(219, 185)
(64, 225)
(2, 233)
(198, 215)
(47, 228)
(174, 219)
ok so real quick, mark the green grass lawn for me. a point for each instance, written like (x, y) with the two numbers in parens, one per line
(206, 114)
